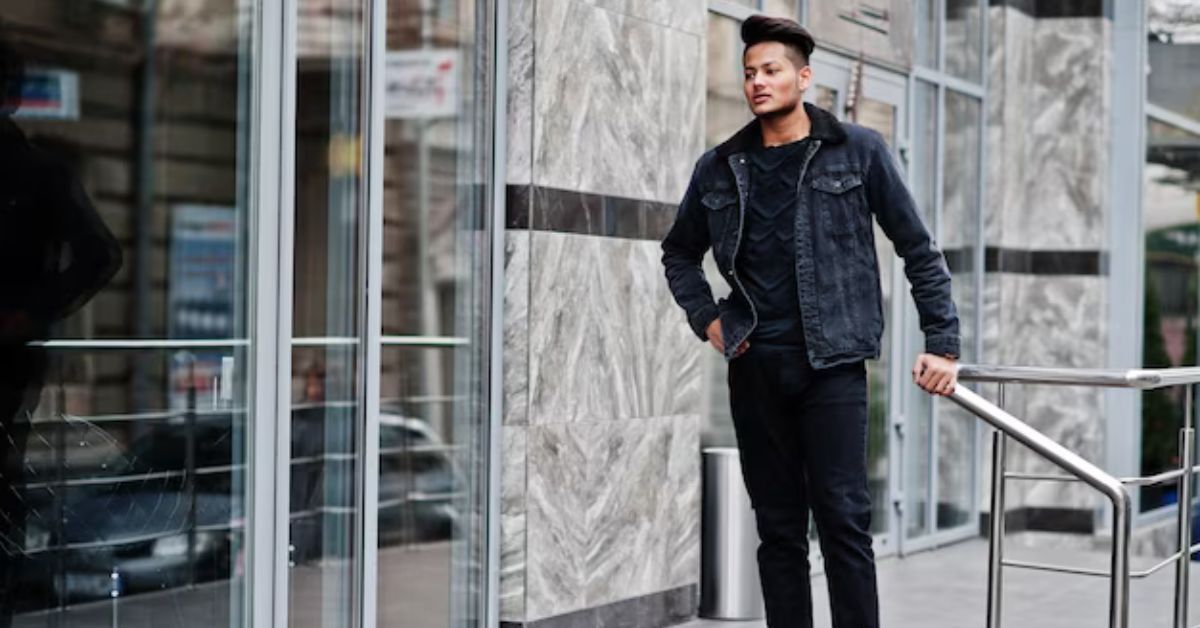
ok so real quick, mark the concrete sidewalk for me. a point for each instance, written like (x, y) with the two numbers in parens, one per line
(947, 588)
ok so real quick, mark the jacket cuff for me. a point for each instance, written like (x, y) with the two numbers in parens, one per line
(943, 344)
(702, 319)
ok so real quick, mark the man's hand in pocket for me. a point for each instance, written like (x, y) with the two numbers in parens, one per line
(717, 341)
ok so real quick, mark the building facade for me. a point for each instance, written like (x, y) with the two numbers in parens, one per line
(382, 336)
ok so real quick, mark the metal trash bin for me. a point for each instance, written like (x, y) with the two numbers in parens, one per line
(729, 583)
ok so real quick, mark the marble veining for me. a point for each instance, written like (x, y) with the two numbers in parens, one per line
(685, 15)
(516, 327)
(596, 109)
(606, 338)
(512, 566)
(1025, 326)
(1048, 138)
(613, 511)
(520, 90)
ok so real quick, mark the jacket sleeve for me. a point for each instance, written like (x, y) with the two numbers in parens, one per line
(924, 264)
(683, 254)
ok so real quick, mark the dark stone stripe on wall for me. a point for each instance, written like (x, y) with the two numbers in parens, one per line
(1042, 9)
(1070, 520)
(664, 608)
(565, 211)
(1003, 260)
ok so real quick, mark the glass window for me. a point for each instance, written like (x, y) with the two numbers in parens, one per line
(782, 8)
(327, 304)
(928, 32)
(433, 421)
(124, 236)
(725, 110)
(1174, 59)
(964, 39)
(880, 116)
(959, 229)
(919, 433)
(1171, 202)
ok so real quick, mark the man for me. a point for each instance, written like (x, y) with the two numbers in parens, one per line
(786, 205)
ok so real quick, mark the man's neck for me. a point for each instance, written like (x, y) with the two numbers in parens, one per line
(782, 129)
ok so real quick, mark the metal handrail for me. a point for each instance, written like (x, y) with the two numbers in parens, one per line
(1115, 489)
(1009, 426)
(1144, 379)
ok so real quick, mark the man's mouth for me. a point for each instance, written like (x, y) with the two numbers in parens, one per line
(762, 98)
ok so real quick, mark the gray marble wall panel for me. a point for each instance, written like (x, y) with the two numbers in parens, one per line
(606, 339)
(684, 15)
(1049, 321)
(617, 100)
(520, 90)
(598, 530)
(1048, 134)
(681, 113)
(512, 523)
(516, 327)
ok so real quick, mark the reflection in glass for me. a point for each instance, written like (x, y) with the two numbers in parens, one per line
(960, 203)
(880, 116)
(1171, 189)
(782, 8)
(326, 393)
(725, 108)
(1173, 55)
(122, 178)
(436, 255)
(926, 15)
(825, 98)
(964, 39)
(918, 434)
(924, 150)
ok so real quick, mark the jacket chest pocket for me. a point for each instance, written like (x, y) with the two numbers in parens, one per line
(721, 205)
(839, 198)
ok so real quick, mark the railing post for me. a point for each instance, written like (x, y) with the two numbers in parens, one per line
(1119, 585)
(996, 535)
(1186, 438)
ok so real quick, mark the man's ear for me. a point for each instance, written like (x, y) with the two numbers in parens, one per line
(805, 77)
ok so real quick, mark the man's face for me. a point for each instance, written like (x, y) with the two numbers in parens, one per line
(771, 81)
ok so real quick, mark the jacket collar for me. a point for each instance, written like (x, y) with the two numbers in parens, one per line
(825, 127)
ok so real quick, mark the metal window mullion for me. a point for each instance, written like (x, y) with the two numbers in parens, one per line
(980, 259)
(271, 117)
(372, 324)
(495, 352)
(281, 422)
(957, 84)
(938, 204)
(897, 372)
(1127, 119)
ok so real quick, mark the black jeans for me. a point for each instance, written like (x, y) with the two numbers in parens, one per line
(802, 437)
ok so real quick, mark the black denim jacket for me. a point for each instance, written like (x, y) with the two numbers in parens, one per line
(847, 175)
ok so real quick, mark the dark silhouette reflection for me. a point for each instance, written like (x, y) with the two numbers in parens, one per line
(56, 254)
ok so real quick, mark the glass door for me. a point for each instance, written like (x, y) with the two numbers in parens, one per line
(875, 99)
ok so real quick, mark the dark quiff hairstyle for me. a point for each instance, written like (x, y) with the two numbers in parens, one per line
(759, 28)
